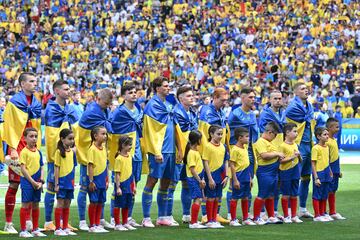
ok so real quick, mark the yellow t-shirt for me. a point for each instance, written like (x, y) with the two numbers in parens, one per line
(123, 165)
(194, 160)
(31, 159)
(288, 150)
(66, 164)
(264, 146)
(240, 157)
(215, 155)
(334, 150)
(98, 158)
(320, 155)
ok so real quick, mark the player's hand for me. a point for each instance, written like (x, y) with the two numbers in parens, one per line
(56, 189)
(340, 175)
(134, 191)
(118, 191)
(296, 153)
(251, 184)
(317, 182)
(280, 155)
(236, 184)
(159, 158)
(107, 185)
(202, 184)
(92, 187)
(36, 185)
(14, 154)
(331, 174)
(179, 157)
(224, 182)
(212, 184)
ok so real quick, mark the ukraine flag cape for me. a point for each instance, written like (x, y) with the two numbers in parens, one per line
(210, 116)
(125, 122)
(268, 115)
(156, 116)
(185, 122)
(93, 116)
(56, 119)
(297, 113)
(17, 113)
(2, 155)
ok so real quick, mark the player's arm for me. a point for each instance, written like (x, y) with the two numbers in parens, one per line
(196, 176)
(224, 182)
(27, 176)
(313, 167)
(56, 172)
(117, 184)
(92, 186)
(233, 174)
(271, 155)
(208, 174)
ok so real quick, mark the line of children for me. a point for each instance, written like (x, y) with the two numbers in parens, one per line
(206, 177)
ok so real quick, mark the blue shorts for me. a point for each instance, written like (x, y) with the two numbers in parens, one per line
(50, 173)
(65, 194)
(267, 185)
(213, 193)
(177, 172)
(30, 195)
(305, 152)
(321, 193)
(241, 193)
(334, 184)
(124, 201)
(194, 186)
(84, 179)
(98, 196)
(289, 187)
(165, 169)
(137, 169)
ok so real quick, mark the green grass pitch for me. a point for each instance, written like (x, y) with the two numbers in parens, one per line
(348, 204)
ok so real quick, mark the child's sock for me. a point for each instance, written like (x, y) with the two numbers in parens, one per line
(81, 202)
(245, 208)
(35, 218)
(195, 208)
(99, 208)
(186, 200)
(58, 215)
(125, 215)
(332, 208)
(49, 204)
(215, 210)
(233, 205)
(269, 205)
(65, 217)
(293, 203)
(316, 206)
(117, 216)
(146, 201)
(284, 204)
(92, 214)
(322, 207)
(23, 212)
(258, 204)
(209, 210)
(10, 199)
(162, 202)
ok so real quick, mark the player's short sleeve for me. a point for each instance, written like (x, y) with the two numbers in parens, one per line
(23, 158)
(234, 155)
(117, 165)
(206, 153)
(261, 147)
(191, 159)
(91, 156)
(57, 158)
(314, 154)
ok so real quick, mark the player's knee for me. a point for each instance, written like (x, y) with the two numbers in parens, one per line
(151, 182)
(164, 183)
(14, 185)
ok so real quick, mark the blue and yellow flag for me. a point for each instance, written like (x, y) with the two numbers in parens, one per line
(158, 122)
(268, 115)
(210, 116)
(17, 114)
(93, 116)
(56, 119)
(185, 122)
(302, 116)
(126, 122)
(2, 155)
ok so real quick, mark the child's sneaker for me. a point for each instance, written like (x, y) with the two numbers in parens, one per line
(218, 225)
(9, 228)
(248, 222)
(106, 224)
(163, 221)
(102, 229)
(186, 219)
(83, 225)
(146, 222)
(129, 227)
(287, 219)
(296, 219)
(60, 232)
(197, 226)
(95, 229)
(337, 216)
(69, 232)
(25, 234)
(327, 218)
(120, 228)
(38, 233)
(259, 221)
(211, 225)
(29, 225)
(305, 213)
(264, 216)
(235, 223)
(132, 222)
(273, 220)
